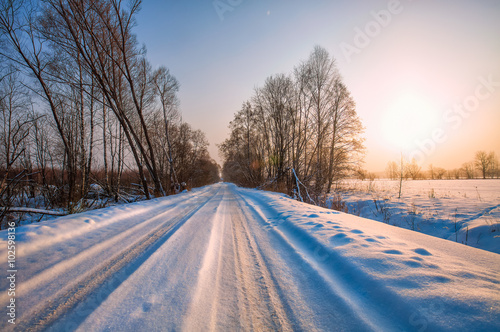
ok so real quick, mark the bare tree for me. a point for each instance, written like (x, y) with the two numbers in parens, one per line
(440, 172)
(24, 47)
(493, 165)
(391, 170)
(413, 170)
(296, 131)
(275, 100)
(346, 145)
(322, 75)
(167, 87)
(244, 150)
(482, 161)
(82, 63)
(14, 124)
(469, 170)
(432, 173)
(100, 34)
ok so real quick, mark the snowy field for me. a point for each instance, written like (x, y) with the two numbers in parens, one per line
(463, 211)
(226, 258)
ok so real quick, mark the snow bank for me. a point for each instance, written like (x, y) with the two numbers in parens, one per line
(36, 237)
(430, 282)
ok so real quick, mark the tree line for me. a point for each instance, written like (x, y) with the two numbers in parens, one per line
(80, 106)
(485, 165)
(298, 133)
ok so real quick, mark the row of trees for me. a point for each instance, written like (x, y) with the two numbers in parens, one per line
(297, 133)
(80, 103)
(485, 165)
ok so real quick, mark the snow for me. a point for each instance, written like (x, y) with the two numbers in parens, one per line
(463, 211)
(32, 210)
(227, 258)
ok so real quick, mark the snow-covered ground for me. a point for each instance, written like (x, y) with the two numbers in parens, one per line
(226, 258)
(463, 211)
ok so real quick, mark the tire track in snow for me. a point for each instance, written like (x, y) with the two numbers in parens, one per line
(263, 307)
(204, 308)
(352, 288)
(76, 265)
(235, 290)
(42, 318)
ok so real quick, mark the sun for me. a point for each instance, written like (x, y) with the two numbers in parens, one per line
(408, 118)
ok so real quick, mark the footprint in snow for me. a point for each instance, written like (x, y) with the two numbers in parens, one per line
(146, 306)
(441, 279)
(314, 215)
(393, 252)
(433, 266)
(340, 239)
(422, 252)
(417, 258)
(339, 236)
(412, 264)
(356, 231)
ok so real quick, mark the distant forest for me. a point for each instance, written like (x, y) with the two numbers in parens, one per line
(485, 165)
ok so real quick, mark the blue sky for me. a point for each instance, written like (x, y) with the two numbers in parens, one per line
(429, 56)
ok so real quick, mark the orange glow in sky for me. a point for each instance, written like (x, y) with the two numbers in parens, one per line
(413, 67)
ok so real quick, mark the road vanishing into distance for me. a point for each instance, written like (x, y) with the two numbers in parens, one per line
(216, 259)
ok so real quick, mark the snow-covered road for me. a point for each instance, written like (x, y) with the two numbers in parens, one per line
(226, 258)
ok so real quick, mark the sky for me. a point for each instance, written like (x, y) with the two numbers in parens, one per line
(425, 75)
